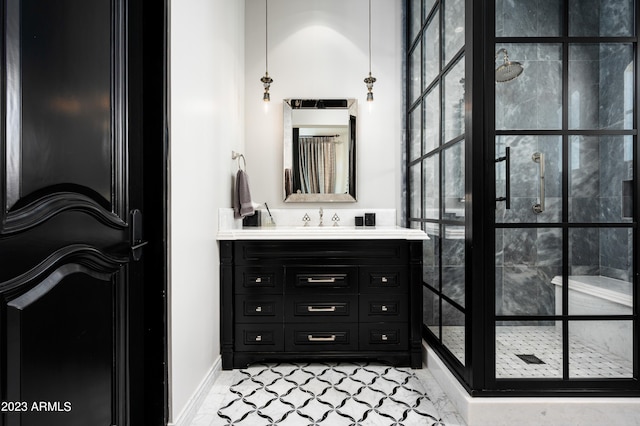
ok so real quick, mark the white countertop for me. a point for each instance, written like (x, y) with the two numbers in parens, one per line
(290, 226)
(322, 233)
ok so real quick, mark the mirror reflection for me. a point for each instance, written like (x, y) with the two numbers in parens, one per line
(319, 150)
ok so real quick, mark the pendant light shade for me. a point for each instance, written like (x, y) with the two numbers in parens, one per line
(370, 79)
(266, 80)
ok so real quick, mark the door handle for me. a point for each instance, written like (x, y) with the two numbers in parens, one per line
(539, 158)
(507, 189)
(137, 243)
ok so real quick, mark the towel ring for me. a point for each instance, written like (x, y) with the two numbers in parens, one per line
(238, 156)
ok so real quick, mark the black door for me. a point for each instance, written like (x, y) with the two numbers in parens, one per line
(76, 306)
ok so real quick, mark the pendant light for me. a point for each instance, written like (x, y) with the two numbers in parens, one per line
(371, 79)
(266, 80)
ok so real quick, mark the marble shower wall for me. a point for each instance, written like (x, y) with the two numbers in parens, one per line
(600, 97)
(444, 270)
(526, 262)
(604, 18)
(440, 121)
(431, 274)
(599, 177)
(528, 18)
(527, 259)
(532, 101)
(601, 167)
(543, 18)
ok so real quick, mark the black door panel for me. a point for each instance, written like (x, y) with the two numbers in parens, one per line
(70, 296)
(72, 383)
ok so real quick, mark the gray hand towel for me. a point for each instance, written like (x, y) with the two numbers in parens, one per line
(243, 206)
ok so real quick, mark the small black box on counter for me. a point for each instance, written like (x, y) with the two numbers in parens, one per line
(369, 219)
(253, 220)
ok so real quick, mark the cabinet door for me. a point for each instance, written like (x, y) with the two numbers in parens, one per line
(259, 337)
(384, 336)
(259, 280)
(384, 307)
(383, 279)
(263, 308)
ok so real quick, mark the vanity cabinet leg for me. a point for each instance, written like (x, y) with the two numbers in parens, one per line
(415, 285)
(226, 304)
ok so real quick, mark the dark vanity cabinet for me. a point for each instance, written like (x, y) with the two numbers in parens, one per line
(305, 300)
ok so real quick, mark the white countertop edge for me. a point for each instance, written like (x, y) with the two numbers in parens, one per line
(327, 233)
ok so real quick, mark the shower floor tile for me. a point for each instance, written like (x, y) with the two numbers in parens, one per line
(544, 342)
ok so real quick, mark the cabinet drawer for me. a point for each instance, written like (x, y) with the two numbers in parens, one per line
(384, 308)
(259, 337)
(266, 308)
(384, 336)
(258, 280)
(303, 308)
(322, 279)
(321, 337)
(321, 252)
(382, 279)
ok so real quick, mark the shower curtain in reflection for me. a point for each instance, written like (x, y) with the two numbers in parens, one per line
(317, 164)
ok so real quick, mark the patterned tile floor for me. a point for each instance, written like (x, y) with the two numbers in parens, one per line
(545, 342)
(357, 394)
(332, 394)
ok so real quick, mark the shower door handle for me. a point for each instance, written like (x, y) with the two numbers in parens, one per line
(507, 185)
(538, 157)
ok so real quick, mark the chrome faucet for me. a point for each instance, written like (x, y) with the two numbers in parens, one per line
(321, 213)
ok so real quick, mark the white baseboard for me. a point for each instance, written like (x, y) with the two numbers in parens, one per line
(186, 416)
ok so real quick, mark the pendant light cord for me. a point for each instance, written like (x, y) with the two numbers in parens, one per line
(369, 37)
(266, 34)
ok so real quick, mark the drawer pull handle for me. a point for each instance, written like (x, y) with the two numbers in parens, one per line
(312, 338)
(384, 279)
(258, 280)
(384, 337)
(258, 308)
(321, 308)
(258, 338)
(384, 308)
(321, 280)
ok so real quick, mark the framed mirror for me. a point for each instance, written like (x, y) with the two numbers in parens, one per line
(320, 150)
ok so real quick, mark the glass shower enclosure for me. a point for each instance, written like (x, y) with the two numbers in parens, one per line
(521, 165)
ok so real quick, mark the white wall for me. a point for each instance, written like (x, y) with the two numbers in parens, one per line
(207, 92)
(319, 49)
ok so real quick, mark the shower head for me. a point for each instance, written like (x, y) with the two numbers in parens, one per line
(509, 69)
